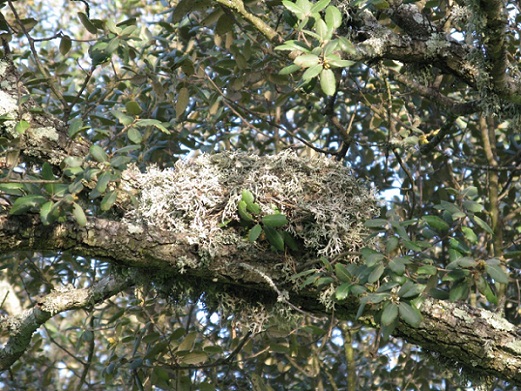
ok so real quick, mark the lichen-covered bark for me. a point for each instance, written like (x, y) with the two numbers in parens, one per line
(46, 139)
(478, 339)
(20, 328)
(475, 338)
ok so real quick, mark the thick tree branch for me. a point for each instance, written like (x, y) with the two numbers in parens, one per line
(20, 328)
(264, 28)
(478, 339)
(494, 14)
(455, 107)
(410, 19)
(473, 337)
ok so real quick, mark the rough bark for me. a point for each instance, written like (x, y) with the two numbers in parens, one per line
(473, 337)
(20, 328)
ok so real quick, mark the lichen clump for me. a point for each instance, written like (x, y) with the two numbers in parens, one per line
(324, 203)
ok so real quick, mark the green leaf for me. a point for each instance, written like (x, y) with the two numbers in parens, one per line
(328, 82)
(459, 291)
(274, 237)
(183, 98)
(254, 233)
(242, 208)
(323, 32)
(497, 273)
(376, 273)
(319, 6)
(108, 200)
(428, 270)
(103, 181)
(136, 363)
(462, 262)
(85, 21)
(397, 264)
(484, 289)
(451, 208)
(333, 17)
(134, 135)
(312, 72)
(342, 273)
(483, 225)
(455, 244)
(339, 63)
(79, 215)
(380, 4)
(375, 298)
(323, 281)
(371, 257)
(98, 153)
(456, 275)
(409, 314)
(247, 196)
(473, 206)
(133, 108)
(274, 220)
(26, 203)
(376, 223)
(289, 69)
(342, 292)
(307, 60)
(346, 45)
(111, 26)
(123, 119)
(293, 45)
(391, 244)
(75, 126)
(297, 9)
(194, 358)
(188, 342)
(12, 189)
(254, 208)
(47, 172)
(389, 314)
(410, 290)
(290, 241)
(437, 223)
(65, 45)
(45, 210)
(469, 235)
(120, 162)
(75, 187)
(99, 53)
(153, 122)
(412, 245)
(22, 126)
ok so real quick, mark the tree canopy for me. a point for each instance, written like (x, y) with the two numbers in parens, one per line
(261, 194)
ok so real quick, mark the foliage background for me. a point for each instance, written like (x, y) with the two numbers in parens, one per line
(153, 82)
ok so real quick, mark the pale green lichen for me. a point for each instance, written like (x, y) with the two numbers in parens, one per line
(3, 67)
(326, 297)
(436, 43)
(325, 204)
(43, 133)
(9, 109)
(497, 321)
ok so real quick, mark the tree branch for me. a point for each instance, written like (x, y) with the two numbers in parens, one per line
(494, 14)
(258, 23)
(22, 327)
(47, 137)
(473, 337)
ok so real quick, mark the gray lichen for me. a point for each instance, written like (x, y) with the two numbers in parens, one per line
(325, 204)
